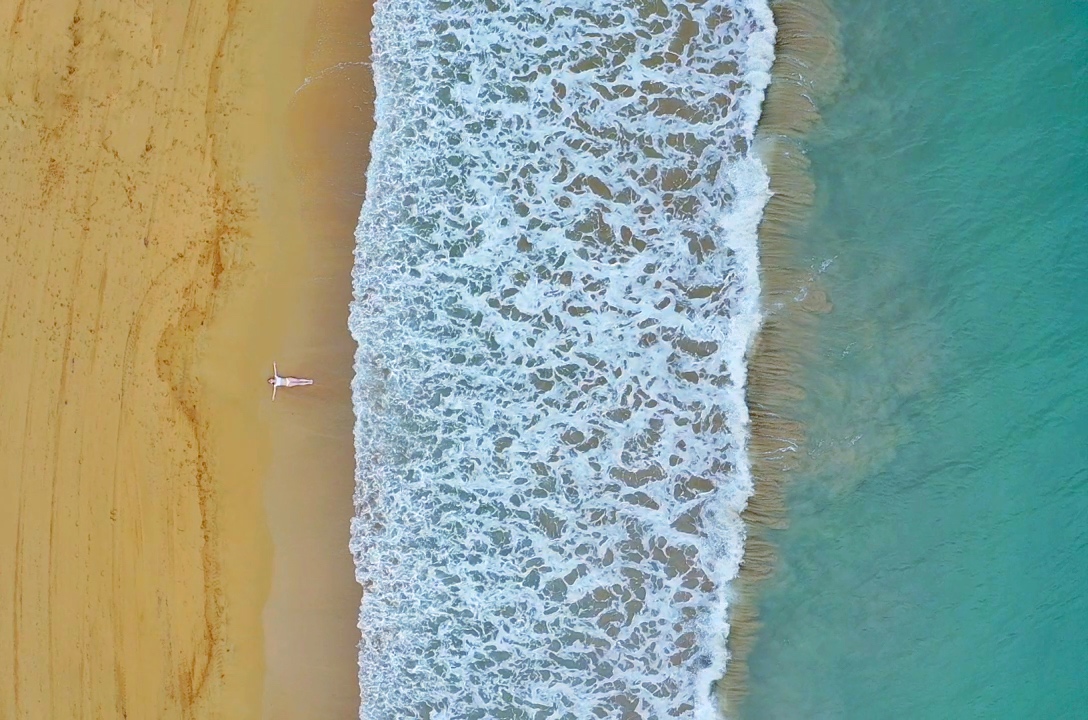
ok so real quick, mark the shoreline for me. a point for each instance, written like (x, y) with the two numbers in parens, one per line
(156, 195)
(805, 72)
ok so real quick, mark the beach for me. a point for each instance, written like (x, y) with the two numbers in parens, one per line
(707, 360)
(162, 244)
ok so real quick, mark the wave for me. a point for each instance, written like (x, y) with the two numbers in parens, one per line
(556, 286)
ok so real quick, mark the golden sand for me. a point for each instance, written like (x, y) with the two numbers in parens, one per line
(167, 229)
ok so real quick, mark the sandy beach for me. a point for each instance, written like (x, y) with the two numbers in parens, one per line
(170, 224)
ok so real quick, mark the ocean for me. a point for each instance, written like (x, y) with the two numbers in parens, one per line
(936, 563)
(556, 283)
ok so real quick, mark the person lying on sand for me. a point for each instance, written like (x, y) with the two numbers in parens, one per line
(276, 381)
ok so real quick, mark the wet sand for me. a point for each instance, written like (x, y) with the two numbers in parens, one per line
(162, 241)
(312, 612)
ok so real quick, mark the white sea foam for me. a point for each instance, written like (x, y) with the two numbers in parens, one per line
(556, 284)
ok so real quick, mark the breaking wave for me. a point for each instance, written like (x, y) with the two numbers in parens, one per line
(556, 284)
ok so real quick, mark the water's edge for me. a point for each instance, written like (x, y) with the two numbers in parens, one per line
(806, 71)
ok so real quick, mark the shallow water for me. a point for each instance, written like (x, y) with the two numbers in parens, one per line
(556, 282)
(937, 561)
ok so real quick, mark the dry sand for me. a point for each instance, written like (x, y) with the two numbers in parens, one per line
(168, 227)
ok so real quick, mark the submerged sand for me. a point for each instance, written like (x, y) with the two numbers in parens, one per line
(153, 195)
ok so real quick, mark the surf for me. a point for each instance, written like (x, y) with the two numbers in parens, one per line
(556, 287)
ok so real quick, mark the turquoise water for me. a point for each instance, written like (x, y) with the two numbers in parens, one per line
(937, 561)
